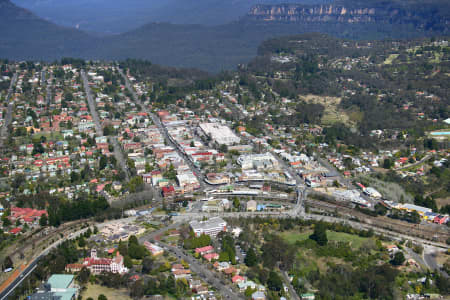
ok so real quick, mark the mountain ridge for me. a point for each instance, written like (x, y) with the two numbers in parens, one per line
(23, 36)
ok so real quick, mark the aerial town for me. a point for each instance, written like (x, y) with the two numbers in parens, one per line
(109, 192)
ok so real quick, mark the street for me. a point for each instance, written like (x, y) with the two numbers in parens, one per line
(98, 127)
(163, 130)
(8, 118)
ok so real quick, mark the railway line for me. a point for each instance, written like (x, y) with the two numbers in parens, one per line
(37, 237)
(440, 234)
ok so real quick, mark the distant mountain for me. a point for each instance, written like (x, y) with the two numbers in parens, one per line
(213, 48)
(401, 17)
(118, 16)
(25, 36)
(224, 46)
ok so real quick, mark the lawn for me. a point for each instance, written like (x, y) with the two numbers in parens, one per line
(355, 241)
(390, 59)
(51, 136)
(94, 290)
(291, 236)
(332, 113)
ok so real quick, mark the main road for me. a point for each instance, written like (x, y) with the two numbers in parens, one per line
(33, 264)
(163, 130)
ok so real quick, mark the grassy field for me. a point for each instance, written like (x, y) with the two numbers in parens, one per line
(332, 114)
(94, 290)
(51, 136)
(354, 240)
(390, 59)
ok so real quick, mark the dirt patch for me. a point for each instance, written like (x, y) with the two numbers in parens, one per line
(442, 258)
(440, 202)
(390, 59)
(332, 112)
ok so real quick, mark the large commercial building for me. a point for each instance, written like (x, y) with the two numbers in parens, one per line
(258, 161)
(211, 227)
(220, 134)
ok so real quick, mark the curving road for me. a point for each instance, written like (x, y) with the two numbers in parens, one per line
(33, 264)
(196, 266)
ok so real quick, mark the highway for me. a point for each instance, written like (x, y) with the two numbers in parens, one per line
(99, 129)
(33, 263)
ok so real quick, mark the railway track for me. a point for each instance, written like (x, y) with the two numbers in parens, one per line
(419, 230)
(40, 236)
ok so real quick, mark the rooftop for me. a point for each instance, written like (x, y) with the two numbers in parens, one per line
(60, 281)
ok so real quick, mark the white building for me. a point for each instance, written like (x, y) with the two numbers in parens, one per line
(210, 227)
(187, 180)
(220, 134)
(258, 161)
(371, 192)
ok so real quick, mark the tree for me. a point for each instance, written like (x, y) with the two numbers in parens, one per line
(74, 176)
(320, 234)
(137, 290)
(171, 285)
(102, 297)
(274, 282)
(398, 259)
(182, 287)
(137, 251)
(236, 202)
(103, 162)
(224, 256)
(133, 240)
(387, 163)
(43, 220)
(81, 242)
(251, 259)
(249, 291)
(7, 263)
(84, 275)
(127, 262)
(6, 221)
(147, 264)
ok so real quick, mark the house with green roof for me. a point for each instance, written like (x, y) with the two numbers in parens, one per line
(58, 287)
